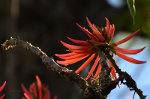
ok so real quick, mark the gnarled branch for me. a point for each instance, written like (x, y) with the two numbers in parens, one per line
(52, 65)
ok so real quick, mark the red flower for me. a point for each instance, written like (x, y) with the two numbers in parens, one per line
(1, 89)
(102, 38)
(36, 91)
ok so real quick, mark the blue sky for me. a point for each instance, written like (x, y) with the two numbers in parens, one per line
(139, 72)
(116, 3)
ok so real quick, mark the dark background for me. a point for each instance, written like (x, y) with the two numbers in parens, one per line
(44, 23)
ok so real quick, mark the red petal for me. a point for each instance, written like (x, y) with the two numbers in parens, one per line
(47, 93)
(67, 62)
(112, 30)
(95, 30)
(107, 28)
(33, 89)
(93, 68)
(129, 59)
(88, 33)
(2, 96)
(85, 64)
(39, 85)
(3, 86)
(97, 72)
(74, 47)
(128, 51)
(98, 43)
(76, 55)
(27, 96)
(26, 92)
(127, 38)
(107, 22)
(112, 70)
(79, 41)
(113, 73)
(84, 51)
(65, 55)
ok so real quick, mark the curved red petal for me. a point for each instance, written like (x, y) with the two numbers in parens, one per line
(27, 96)
(107, 28)
(98, 43)
(3, 86)
(68, 62)
(76, 55)
(127, 38)
(47, 93)
(128, 51)
(95, 30)
(93, 68)
(74, 47)
(84, 51)
(26, 92)
(113, 73)
(112, 30)
(39, 85)
(65, 55)
(85, 63)
(33, 90)
(97, 72)
(88, 33)
(107, 22)
(79, 41)
(112, 70)
(2, 96)
(129, 59)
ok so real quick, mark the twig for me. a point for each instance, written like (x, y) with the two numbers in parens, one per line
(124, 75)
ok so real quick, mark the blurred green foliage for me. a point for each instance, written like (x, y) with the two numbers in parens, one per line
(142, 19)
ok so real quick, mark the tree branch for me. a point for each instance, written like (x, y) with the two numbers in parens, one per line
(49, 63)
(124, 75)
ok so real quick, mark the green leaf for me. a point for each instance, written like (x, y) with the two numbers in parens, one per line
(131, 5)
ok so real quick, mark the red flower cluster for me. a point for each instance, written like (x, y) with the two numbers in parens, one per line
(1, 89)
(102, 38)
(36, 91)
